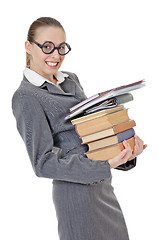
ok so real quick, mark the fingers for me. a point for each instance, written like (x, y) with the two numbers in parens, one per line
(127, 154)
(127, 146)
(139, 145)
(122, 157)
(114, 162)
(129, 150)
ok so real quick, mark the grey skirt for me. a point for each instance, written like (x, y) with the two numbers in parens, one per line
(88, 212)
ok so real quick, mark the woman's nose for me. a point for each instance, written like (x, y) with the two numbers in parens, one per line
(55, 53)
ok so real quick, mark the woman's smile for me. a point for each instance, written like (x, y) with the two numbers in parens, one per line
(52, 64)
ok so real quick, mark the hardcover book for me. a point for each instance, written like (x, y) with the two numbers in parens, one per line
(106, 153)
(115, 129)
(108, 141)
(96, 114)
(101, 122)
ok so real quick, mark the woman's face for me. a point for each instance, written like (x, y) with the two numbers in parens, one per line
(46, 64)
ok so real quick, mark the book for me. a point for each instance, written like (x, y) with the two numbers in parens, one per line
(110, 103)
(109, 152)
(99, 97)
(101, 122)
(108, 141)
(96, 114)
(115, 129)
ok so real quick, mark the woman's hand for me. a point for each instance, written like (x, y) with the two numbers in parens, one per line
(127, 154)
(139, 147)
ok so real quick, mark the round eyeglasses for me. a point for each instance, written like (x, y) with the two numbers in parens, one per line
(49, 47)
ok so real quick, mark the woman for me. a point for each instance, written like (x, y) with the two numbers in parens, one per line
(86, 206)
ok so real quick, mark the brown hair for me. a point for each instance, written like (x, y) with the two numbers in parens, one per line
(40, 22)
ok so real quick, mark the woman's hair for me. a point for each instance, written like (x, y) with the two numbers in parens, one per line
(40, 22)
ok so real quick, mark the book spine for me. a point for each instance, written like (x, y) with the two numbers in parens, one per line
(125, 135)
(124, 126)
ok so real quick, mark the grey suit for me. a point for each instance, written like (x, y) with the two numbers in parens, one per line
(86, 206)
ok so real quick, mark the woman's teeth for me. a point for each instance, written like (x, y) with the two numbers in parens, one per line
(51, 64)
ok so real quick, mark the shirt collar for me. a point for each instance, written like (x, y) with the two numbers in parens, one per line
(37, 80)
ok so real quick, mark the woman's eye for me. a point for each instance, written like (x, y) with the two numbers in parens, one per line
(46, 46)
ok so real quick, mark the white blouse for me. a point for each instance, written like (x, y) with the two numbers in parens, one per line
(38, 80)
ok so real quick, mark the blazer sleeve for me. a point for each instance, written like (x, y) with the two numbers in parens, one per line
(128, 165)
(34, 129)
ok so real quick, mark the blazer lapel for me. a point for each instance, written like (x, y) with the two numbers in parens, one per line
(68, 88)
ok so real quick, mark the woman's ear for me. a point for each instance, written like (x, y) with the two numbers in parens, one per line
(28, 47)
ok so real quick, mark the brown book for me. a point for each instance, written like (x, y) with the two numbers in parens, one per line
(106, 153)
(109, 141)
(108, 132)
(102, 122)
(97, 114)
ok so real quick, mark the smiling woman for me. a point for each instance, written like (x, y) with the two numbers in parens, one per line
(46, 47)
(85, 204)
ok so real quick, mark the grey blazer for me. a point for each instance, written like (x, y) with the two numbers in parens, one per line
(52, 143)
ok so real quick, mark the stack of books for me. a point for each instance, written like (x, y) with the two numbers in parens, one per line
(102, 122)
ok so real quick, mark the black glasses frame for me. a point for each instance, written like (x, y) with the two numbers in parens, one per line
(58, 48)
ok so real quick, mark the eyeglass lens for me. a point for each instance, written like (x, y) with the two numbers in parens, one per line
(48, 47)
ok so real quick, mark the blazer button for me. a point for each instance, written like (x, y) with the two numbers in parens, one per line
(95, 183)
(102, 180)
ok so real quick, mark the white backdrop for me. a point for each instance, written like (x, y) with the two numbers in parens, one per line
(113, 43)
